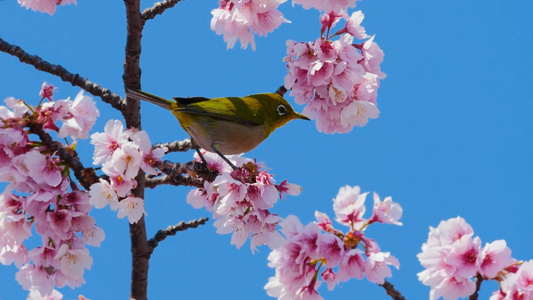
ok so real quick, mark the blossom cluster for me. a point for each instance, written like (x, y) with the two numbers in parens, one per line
(40, 195)
(240, 19)
(337, 6)
(307, 249)
(518, 284)
(337, 79)
(122, 154)
(240, 201)
(452, 256)
(45, 6)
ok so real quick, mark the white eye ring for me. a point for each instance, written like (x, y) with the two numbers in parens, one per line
(281, 110)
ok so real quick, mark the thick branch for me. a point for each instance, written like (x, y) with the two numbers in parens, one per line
(172, 230)
(86, 176)
(176, 146)
(140, 250)
(391, 291)
(158, 8)
(74, 79)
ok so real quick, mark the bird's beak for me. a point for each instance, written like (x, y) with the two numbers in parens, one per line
(303, 117)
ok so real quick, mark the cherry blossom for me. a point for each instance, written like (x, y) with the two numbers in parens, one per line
(327, 5)
(41, 195)
(337, 79)
(452, 257)
(45, 6)
(132, 207)
(241, 199)
(298, 261)
(239, 20)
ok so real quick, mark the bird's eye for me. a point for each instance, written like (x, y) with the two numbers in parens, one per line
(281, 110)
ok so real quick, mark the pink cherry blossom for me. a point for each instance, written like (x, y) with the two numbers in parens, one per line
(47, 91)
(45, 6)
(353, 26)
(387, 212)
(326, 5)
(377, 266)
(19, 107)
(493, 258)
(351, 265)
(105, 143)
(299, 260)
(238, 20)
(518, 285)
(331, 248)
(349, 205)
(132, 207)
(103, 194)
(80, 119)
(372, 57)
(452, 256)
(119, 182)
(73, 261)
(149, 155)
(240, 201)
(40, 193)
(453, 287)
(35, 295)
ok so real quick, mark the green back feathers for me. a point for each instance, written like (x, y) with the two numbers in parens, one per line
(268, 109)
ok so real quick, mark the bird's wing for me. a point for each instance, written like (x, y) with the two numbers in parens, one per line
(189, 100)
(232, 109)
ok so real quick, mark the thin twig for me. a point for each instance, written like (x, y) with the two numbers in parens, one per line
(475, 295)
(74, 79)
(391, 291)
(174, 180)
(172, 230)
(281, 90)
(193, 168)
(158, 8)
(176, 146)
(86, 176)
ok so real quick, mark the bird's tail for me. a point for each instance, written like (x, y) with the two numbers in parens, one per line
(140, 95)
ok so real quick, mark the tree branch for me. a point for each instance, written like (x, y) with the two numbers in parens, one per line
(176, 180)
(75, 79)
(281, 90)
(140, 251)
(172, 230)
(194, 168)
(475, 295)
(176, 146)
(86, 176)
(391, 291)
(158, 9)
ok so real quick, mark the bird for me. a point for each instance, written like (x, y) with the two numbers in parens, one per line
(226, 125)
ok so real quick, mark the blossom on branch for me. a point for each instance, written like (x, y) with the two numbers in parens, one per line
(307, 248)
(240, 19)
(40, 193)
(241, 199)
(122, 154)
(452, 256)
(337, 79)
(45, 6)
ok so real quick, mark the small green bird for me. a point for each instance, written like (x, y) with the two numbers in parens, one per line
(228, 125)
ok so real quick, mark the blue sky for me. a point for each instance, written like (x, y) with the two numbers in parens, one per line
(453, 137)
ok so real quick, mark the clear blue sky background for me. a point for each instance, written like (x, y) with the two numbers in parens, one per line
(453, 137)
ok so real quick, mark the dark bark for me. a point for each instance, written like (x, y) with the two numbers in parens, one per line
(74, 79)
